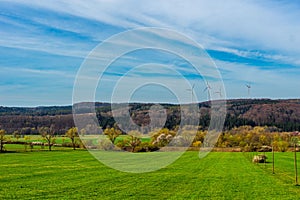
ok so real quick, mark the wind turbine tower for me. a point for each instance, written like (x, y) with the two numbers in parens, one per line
(192, 92)
(249, 87)
(208, 88)
(219, 92)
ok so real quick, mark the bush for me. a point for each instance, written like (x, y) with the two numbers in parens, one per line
(281, 146)
(197, 144)
(105, 144)
(69, 144)
(142, 147)
(121, 144)
(146, 147)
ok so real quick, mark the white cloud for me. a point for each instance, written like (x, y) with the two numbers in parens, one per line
(253, 24)
(43, 44)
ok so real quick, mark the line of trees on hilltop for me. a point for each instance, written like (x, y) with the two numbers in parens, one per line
(284, 114)
(29, 125)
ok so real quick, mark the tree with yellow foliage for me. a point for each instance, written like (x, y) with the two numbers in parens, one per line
(112, 133)
(2, 139)
(72, 133)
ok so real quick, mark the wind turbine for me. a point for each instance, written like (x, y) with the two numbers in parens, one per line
(192, 92)
(249, 87)
(208, 88)
(219, 92)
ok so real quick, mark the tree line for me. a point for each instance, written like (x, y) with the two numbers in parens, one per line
(246, 138)
(284, 114)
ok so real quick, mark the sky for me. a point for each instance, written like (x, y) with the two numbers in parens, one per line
(43, 45)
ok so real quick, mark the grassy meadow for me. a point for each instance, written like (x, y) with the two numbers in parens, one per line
(67, 174)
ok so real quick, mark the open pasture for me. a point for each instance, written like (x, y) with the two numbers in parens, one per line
(66, 174)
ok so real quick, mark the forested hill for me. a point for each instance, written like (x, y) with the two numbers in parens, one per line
(284, 114)
(36, 111)
(43, 110)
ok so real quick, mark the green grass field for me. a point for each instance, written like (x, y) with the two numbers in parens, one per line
(66, 174)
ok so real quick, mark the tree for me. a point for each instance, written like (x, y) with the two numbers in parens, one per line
(83, 132)
(112, 133)
(135, 140)
(16, 134)
(48, 134)
(2, 139)
(72, 133)
(162, 137)
(27, 138)
(281, 146)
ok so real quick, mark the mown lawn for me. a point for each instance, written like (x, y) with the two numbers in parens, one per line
(77, 175)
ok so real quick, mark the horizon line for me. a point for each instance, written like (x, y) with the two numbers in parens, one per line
(142, 102)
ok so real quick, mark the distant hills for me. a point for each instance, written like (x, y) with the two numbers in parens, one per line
(283, 114)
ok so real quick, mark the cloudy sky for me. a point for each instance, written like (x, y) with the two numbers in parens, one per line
(44, 43)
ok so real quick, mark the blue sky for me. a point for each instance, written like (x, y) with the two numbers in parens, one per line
(43, 44)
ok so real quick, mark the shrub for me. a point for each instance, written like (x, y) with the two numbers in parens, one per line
(197, 144)
(142, 147)
(69, 144)
(281, 146)
(105, 144)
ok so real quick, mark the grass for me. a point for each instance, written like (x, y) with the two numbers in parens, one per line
(66, 174)
(39, 138)
(124, 137)
(64, 139)
(283, 166)
(23, 148)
